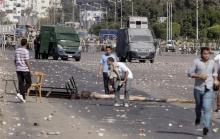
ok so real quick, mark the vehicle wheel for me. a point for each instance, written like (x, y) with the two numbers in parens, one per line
(142, 61)
(122, 59)
(44, 56)
(78, 58)
(166, 50)
(129, 59)
(55, 57)
(152, 61)
(64, 59)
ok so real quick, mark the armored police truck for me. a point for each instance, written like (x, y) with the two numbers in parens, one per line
(59, 42)
(136, 42)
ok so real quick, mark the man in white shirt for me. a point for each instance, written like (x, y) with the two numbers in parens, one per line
(124, 78)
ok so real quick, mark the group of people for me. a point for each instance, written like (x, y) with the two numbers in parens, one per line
(115, 76)
(206, 74)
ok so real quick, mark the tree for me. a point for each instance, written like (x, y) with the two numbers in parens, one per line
(214, 32)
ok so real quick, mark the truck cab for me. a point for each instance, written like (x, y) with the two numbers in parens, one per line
(59, 42)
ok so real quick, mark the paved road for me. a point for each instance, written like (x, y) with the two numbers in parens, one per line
(98, 118)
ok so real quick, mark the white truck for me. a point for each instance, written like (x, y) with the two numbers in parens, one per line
(136, 42)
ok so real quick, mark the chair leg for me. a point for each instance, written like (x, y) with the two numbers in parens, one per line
(6, 83)
(37, 94)
(40, 95)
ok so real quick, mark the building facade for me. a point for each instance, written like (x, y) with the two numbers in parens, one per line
(17, 8)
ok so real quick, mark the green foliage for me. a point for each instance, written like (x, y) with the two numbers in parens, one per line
(184, 14)
(214, 32)
(160, 30)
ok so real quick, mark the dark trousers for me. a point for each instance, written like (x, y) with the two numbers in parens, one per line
(37, 54)
(24, 82)
(106, 82)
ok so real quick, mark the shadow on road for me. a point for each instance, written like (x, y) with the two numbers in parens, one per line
(178, 133)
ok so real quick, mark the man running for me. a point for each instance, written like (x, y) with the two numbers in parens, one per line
(203, 71)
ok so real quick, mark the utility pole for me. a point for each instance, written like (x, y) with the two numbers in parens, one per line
(115, 11)
(132, 5)
(54, 12)
(121, 15)
(73, 18)
(169, 20)
(197, 20)
(107, 17)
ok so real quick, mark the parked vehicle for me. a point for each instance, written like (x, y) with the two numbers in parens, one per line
(59, 42)
(170, 46)
(135, 44)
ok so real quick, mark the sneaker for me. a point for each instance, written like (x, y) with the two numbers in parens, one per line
(117, 105)
(205, 131)
(20, 97)
(126, 105)
(197, 121)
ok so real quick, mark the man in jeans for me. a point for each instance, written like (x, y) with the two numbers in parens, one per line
(23, 68)
(204, 73)
(123, 77)
(103, 68)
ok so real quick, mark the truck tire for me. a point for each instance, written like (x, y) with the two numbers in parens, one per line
(152, 61)
(129, 58)
(55, 57)
(77, 58)
(44, 56)
(64, 59)
(142, 61)
(122, 59)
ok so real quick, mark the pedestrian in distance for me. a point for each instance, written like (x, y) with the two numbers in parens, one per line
(37, 47)
(103, 68)
(23, 69)
(203, 71)
(120, 76)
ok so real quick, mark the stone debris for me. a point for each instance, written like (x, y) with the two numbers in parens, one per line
(215, 130)
(4, 123)
(101, 134)
(53, 133)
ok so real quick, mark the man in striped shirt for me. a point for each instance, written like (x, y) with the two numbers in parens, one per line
(23, 69)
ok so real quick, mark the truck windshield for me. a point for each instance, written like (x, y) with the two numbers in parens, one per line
(141, 38)
(70, 37)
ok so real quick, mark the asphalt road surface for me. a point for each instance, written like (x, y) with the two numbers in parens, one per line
(62, 118)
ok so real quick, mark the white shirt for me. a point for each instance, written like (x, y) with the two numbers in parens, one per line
(123, 69)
